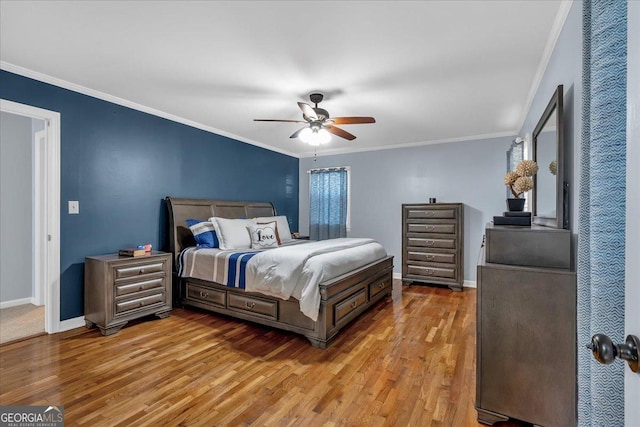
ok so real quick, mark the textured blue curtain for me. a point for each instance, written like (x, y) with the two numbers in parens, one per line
(601, 234)
(328, 203)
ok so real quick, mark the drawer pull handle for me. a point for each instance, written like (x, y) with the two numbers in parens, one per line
(140, 304)
(430, 272)
(382, 285)
(250, 305)
(430, 227)
(354, 304)
(141, 271)
(430, 242)
(431, 213)
(430, 257)
(203, 294)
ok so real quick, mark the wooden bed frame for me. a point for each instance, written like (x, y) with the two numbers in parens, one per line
(342, 299)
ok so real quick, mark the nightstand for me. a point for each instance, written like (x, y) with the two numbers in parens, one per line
(118, 289)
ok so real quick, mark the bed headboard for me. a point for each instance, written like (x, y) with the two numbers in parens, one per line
(180, 210)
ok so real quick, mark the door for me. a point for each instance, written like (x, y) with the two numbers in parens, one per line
(49, 210)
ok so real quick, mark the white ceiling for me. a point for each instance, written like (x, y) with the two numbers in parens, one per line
(428, 71)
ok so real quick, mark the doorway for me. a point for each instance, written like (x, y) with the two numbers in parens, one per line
(30, 252)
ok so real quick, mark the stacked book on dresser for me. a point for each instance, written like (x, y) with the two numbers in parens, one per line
(513, 218)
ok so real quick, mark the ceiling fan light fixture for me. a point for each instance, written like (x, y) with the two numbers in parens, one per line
(315, 135)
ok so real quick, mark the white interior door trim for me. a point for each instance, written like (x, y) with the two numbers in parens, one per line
(51, 255)
(39, 166)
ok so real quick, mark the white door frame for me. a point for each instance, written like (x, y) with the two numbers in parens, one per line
(39, 168)
(632, 272)
(50, 265)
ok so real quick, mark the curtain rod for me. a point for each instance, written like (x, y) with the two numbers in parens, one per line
(336, 168)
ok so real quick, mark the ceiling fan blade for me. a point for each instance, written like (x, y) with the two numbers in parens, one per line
(339, 132)
(296, 133)
(278, 120)
(352, 120)
(307, 111)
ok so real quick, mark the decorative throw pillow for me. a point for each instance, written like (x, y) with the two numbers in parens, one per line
(263, 236)
(233, 233)
(275, 227)
(204, 232)
(284, 232)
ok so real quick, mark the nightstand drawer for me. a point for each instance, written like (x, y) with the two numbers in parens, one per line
(125, 271)
(253, 305)
(129, 305)
(131, 287)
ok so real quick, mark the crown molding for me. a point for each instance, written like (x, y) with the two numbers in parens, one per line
(35, 75)
(511, 133)
(556, 29)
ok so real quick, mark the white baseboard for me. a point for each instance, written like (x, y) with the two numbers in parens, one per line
(15, 302)
(469, 284)
(67, 325)
(397, 275)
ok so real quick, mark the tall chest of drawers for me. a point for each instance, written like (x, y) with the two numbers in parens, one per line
(118, 289)
(433, 244)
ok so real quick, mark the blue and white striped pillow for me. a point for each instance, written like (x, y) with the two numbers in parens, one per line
(204, 232)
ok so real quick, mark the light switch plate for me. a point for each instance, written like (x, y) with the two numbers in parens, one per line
(74, 207)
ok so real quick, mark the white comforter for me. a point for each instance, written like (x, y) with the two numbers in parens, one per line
(298, 270)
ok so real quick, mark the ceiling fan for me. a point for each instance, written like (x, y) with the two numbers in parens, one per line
(320, 124)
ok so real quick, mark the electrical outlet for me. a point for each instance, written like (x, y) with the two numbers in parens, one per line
(74, 207)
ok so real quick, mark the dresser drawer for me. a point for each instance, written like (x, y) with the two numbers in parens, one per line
(431, 243)
(431, 257)
(342, 309)
(206, 295)
(421, 270)
(431, 228)
(126, 271)
(138, 286)
(253, 305)
(128, 305)
(422, 213)
(376, 287)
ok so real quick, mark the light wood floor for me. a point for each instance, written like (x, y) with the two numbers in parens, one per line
(409, 361)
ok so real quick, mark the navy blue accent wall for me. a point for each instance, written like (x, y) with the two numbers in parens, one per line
(120, 164)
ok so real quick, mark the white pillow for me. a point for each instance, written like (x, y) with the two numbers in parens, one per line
(232, 233)
(263, 236)
(283, 226)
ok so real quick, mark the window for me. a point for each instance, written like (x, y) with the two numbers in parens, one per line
(329, 211)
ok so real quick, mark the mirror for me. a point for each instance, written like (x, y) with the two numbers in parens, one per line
(547, 204)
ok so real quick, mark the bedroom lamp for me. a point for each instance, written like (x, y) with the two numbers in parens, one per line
(315, 135)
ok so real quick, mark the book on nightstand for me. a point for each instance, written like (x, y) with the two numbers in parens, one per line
(525, 214)
(131, 252)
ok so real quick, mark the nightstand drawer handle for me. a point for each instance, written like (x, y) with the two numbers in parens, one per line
(430, 257)
(430, 242)
(382, 285)
(430, 272)
(203, 294)
(250, 305)
(141, 271)
(429, 227)
(353, 304)
(431, 213)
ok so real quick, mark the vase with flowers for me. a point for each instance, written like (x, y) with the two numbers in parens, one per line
(519, 182)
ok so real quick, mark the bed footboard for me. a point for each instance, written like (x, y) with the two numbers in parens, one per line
(342, 300)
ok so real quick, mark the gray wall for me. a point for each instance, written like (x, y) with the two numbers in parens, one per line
(470, 172)
(565, 68)
(15, 207)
